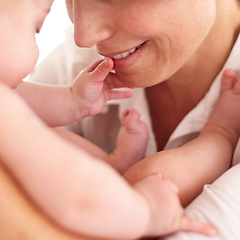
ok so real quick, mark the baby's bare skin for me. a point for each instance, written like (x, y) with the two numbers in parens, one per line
(131, 141)
(205, 158)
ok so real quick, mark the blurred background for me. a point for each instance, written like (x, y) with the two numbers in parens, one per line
(53, 31)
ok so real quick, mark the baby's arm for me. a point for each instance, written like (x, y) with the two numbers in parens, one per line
(61, 105)
(204, 159)
(78, 191)
(130, 145)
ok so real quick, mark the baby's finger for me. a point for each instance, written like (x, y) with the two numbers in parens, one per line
(93, 66)
(118, 94)
(99, 69)
(102, 70)
(193, 225)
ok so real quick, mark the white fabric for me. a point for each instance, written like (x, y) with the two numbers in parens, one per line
(219, 203)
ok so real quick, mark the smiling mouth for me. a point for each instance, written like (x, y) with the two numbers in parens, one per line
(126, 54)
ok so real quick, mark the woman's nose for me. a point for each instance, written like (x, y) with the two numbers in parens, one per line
(92, 24)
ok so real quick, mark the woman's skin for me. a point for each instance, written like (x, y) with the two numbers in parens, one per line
(184, 44)
(181, 45)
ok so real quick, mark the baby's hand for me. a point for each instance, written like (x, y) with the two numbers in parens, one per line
(166, 213)
(94, 86)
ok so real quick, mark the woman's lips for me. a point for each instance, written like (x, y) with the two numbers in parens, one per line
(125, 60)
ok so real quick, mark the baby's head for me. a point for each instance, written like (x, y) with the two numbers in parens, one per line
(20, 20)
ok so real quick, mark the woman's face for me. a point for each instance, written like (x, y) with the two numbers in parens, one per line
(149, 40)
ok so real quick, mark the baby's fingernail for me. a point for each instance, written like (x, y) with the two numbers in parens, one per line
(105, 60)
(108, 61)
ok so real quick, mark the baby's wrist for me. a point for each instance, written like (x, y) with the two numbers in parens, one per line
(146, 207)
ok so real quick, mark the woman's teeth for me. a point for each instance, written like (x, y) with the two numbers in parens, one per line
(125, 54)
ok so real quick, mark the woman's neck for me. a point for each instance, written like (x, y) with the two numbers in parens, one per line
(171, 100)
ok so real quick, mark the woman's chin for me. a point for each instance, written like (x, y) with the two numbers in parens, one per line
(135, 80)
